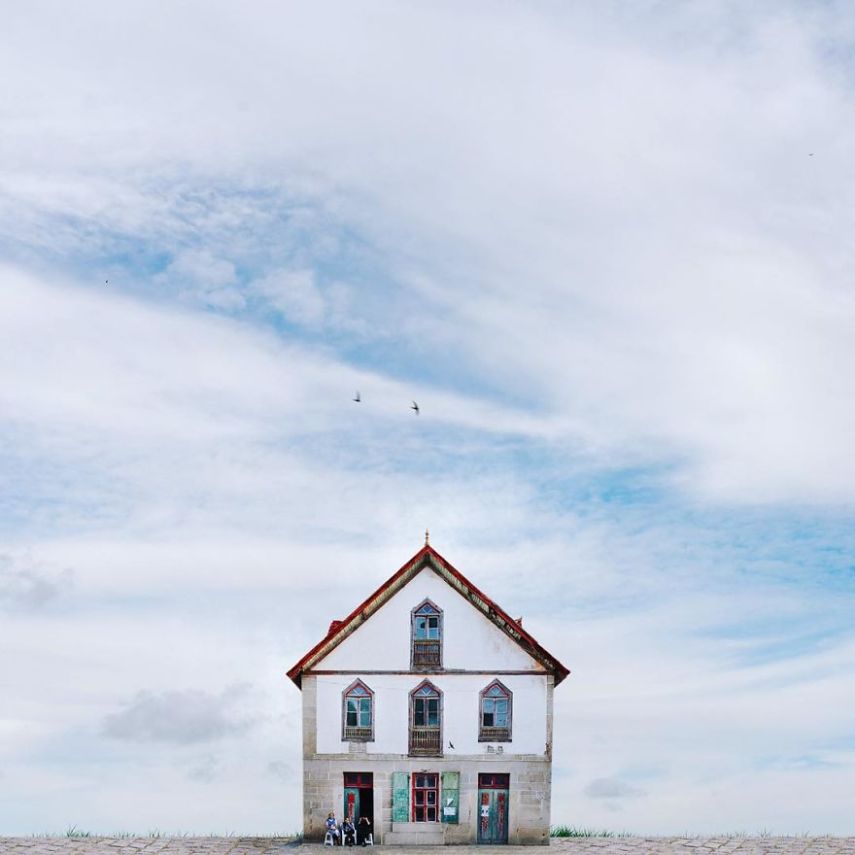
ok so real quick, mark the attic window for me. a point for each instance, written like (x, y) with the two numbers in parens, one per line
(495, 713)
(358, 713)
(426, 647)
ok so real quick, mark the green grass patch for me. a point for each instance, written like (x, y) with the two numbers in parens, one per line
(74, 831)
(577, 831)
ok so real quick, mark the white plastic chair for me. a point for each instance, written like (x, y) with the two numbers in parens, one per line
(329, 838)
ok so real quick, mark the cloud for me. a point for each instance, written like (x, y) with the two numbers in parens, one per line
(25, 585)
(200, 275)
(204, 770)
(181, 717)
(682, 299)
(294, 294)
(612, 788)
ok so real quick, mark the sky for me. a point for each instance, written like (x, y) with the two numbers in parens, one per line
(606, 247)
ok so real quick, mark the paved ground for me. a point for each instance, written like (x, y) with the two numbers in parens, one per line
(568, 846)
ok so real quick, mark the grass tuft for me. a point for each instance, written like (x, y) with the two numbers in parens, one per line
(74, 831)
(577, 831)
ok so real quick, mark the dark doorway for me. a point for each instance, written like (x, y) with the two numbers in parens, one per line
(493, 790)
(359, 795)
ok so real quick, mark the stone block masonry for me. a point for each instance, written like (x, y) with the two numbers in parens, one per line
(528, 797)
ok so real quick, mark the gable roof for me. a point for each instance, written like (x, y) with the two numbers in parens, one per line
(427, 556)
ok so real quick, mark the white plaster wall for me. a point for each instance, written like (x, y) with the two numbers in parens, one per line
(459, 704)
(470, 640)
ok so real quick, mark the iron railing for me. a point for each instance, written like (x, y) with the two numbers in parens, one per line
(425, 742)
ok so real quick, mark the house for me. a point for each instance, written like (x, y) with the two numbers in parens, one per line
(429, 710)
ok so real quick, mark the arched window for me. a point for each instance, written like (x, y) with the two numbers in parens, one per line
(358, 713)
(426, 720)
(496, 707)
(426, 644)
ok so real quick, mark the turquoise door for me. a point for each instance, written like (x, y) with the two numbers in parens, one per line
(351, 804)
(493, 809)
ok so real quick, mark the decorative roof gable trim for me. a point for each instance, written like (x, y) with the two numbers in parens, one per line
(427, 556)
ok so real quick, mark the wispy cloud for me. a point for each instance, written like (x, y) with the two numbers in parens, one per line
(184, 717)
(24, 585)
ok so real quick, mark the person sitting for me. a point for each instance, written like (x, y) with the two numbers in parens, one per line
(363, 830)
(348, 831)
(332, 828)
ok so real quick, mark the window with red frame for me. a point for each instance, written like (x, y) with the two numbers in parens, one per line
(425, 797)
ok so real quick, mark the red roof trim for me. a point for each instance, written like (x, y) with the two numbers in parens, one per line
(343, 628)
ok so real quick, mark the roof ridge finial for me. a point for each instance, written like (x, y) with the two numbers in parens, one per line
(427, 537)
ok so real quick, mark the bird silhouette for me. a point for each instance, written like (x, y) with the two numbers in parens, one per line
(358, 399)
(106, 281)
(450, 744)
(415, 407)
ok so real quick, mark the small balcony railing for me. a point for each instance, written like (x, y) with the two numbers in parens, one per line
(425, 742)
(494, 734)
(357, 734)
(426, 655)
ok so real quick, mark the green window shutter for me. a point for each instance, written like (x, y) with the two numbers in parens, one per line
(450, 797)
(400, 797)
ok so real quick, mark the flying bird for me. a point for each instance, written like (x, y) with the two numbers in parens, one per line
(357, 398)
(415, 407)
(450, 744)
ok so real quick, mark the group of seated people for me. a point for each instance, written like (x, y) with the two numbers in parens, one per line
(348, 834)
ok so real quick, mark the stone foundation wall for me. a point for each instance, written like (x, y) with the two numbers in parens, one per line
(528, 798)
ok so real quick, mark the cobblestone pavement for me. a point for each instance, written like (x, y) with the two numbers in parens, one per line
(569, 846)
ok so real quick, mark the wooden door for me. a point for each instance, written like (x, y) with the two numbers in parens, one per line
(351, 803)
(493, 809)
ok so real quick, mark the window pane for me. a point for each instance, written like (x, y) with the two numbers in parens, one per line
(488, 719)
(431, 814)
(433, 628)
(431, 797)
(418, 713)
(433, 712)
(420, 814)
(365, 717)
(421, 628)
(351, 713)
(501, 713)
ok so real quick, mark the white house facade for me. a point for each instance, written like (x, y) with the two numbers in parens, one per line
(429, 710)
